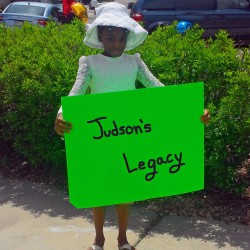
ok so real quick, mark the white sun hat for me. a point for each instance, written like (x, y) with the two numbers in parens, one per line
(115, 14)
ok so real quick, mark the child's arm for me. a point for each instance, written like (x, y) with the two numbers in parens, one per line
(82, 79)
(80, 86)
(149, 80)
(145, 76)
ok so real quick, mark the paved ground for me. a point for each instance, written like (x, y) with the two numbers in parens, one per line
(35, 216)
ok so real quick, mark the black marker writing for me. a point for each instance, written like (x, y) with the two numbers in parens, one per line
(119, 130)
(153, 163)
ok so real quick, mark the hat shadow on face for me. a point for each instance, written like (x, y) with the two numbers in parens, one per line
(113, 39)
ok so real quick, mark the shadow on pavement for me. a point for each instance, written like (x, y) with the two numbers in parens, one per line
(220, 233)
(39, 198)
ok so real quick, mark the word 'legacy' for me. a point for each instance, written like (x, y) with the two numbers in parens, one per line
(174, 160)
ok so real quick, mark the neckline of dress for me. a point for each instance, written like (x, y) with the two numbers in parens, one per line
(112, 58)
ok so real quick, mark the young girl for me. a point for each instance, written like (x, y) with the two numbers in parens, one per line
(114, 32)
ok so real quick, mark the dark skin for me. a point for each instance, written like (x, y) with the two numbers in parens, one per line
(114, 41)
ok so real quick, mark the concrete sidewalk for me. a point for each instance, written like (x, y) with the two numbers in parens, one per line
(35, 216)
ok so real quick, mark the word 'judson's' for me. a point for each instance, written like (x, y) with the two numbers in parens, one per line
(139, 128)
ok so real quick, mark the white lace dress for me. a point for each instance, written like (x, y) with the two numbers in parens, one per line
(104, 74)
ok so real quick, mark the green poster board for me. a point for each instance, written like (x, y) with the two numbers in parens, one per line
(134, 145)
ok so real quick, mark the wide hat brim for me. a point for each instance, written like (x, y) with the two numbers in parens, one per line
(114, 14)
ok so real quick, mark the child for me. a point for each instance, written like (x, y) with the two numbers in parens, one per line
(113, 31)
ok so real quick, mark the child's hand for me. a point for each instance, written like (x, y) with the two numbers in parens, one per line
(62, 126)
(205, 118)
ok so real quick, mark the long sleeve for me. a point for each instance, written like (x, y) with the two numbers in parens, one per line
(145, 76)
(82, 80)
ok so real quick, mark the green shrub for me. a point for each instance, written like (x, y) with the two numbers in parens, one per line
(225, 71)
(228, 135)
(38, 66)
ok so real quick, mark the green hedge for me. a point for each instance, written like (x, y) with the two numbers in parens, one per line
(39, 65)
(225, 70)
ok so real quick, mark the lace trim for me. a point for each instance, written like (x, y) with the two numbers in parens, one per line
(145, 76)
(82, 80)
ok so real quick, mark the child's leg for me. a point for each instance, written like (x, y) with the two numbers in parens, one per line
(99, 216)
(123, 216)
